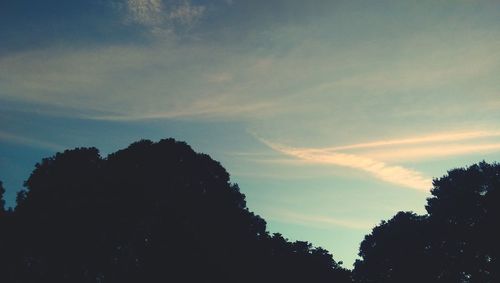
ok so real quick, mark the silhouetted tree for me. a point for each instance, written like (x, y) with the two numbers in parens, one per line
(458, 241)
(153, 212)
(465, 215)
(396, 251)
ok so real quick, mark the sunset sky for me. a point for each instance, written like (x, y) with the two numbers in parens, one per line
(330, 115)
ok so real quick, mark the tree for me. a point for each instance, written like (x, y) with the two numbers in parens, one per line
(396, 251)
(465, 215)
(457, 241)
(153, 212)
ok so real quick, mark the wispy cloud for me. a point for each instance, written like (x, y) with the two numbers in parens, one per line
(304, 80)
(213, 107)
(162, 17)
(425, 147)
(373, 157)
(186, 13)
(92, 81)
(419, 153)
(389, 173)
(441, 137)
(146, 12)
(31, 142)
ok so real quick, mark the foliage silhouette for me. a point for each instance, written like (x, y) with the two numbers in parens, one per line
(153, 212)
(457, 241)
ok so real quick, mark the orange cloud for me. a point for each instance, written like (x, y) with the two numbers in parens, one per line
(428, 152)
(389, 173)
(372, 157)
(444, 137)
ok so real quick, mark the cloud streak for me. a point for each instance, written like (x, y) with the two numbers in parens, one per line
(389, 173)
(425, 147)
(444, 137)
(213, 107)
(373, 157)
(92, 81)
(16, 139)
(432, 152)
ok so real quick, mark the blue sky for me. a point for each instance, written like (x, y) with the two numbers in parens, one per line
(330, 115)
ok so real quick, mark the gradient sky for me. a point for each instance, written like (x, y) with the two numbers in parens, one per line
(330, 115)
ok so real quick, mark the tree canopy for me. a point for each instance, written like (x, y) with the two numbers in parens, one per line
(153, 212)
(457, 241)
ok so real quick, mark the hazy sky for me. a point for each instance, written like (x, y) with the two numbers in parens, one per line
(330, 115)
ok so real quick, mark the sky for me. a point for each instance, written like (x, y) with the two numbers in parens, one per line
(330, 115)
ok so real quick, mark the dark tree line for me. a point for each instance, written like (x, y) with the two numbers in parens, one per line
(153, 212)
(159, 212)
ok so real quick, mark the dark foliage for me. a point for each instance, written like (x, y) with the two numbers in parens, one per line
(458, 241)
(153, 212)
(396, 251)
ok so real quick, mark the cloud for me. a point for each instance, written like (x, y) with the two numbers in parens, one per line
(163, 17)
(373, 157)
(426, 147)
(146, 12)
(432, 152)
(295, 72)
(22, 140)
(442, 137)
(214, 107)
(389, 173)
(128, 83)
(186, 13)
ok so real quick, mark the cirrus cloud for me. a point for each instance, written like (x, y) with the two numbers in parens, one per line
(389, 173)
(374, 157)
